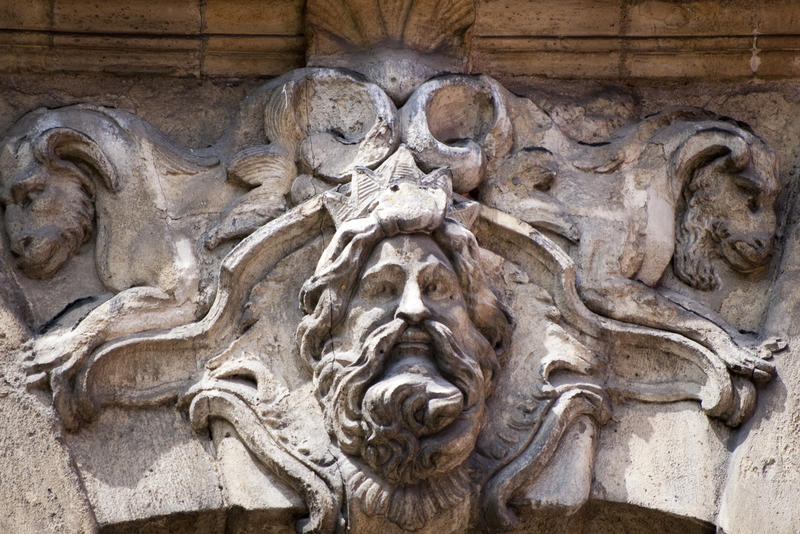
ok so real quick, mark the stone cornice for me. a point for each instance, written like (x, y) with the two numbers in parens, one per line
(646, 39)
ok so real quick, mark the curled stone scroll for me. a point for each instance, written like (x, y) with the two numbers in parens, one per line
(400, 296)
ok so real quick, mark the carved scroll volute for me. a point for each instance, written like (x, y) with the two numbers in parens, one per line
(57, 146)
(321, 124)
(705, 146)
(331, 122)
(458, 122)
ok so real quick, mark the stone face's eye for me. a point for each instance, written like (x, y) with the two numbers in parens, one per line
(752, 204)
(437, 290)
(26, 192)
(438, 283)
(386, 290)
(748, 191)
(750, 197)
(373, 288)
(30, 196)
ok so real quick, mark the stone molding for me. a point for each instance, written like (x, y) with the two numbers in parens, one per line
(579, 39)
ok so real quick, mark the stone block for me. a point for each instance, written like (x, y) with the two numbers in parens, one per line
(233, 56)
(135, 16)
(137, 465)
(39, 487)
(777, 17)
(548, 18)
(25, 14)
(712, 17)
(639, 461)
(24, 51)
(594, 58)
(764, 480)
(779, 64)
(718, 65)
(254, 17)
(125, 55)
(247, 484)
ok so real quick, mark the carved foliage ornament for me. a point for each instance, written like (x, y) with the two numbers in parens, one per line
(440, 347)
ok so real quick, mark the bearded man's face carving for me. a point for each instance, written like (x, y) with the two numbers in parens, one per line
(406, 372)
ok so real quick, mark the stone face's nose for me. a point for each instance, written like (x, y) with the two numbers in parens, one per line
(763, 242)
(412, 308)
(22, 245)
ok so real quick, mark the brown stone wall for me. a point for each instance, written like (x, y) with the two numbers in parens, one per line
(608, 39)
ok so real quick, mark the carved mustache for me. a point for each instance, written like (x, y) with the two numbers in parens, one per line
(349, 383)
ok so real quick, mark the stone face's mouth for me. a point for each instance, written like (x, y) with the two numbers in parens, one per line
(413, 334)
(746, 257)
(413, 341)
(38, 255)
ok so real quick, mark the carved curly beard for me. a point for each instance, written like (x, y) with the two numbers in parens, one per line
(691, 261)
(406, 426)
(43, 249)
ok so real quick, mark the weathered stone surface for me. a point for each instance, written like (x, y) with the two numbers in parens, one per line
(245, 56)
(763, 474)
(153, 466)
(551, 18)
(23, 15)
(640, 463)
(254, 17)
(142, 16)
(40, 486)
(575, 348)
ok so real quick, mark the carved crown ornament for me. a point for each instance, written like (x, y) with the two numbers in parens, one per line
(400, 287)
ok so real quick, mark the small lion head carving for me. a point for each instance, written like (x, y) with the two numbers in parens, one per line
(729, 193)
(47, 187)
